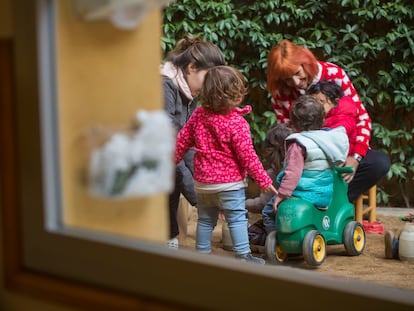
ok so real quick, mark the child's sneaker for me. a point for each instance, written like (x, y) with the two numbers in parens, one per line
(391, 245)
(248, 257)
(173, 243)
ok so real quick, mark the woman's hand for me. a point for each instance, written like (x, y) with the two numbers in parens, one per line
(350, 161)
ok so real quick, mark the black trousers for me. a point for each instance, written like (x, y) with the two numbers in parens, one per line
(173, 202)
(371, 169)
(184, 184)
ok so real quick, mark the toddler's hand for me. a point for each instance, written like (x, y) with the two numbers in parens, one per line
(270, 188)
(276, 203)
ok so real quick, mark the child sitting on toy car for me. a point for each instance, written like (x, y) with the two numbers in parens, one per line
(310, 154)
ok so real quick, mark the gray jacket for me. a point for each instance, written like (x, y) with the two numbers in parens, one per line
(176, 104)
(179, 108)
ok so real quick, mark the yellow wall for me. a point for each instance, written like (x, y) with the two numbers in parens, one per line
(105, 75)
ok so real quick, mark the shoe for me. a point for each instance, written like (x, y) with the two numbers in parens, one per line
(248, 257)
(409, 218)
(173, 243)
(391, 245)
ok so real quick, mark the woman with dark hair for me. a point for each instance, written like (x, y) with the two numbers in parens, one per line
(183, 73)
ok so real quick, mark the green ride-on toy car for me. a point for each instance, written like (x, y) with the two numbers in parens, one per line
(303, 229)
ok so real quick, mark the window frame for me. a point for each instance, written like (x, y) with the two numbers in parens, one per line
(90, 269)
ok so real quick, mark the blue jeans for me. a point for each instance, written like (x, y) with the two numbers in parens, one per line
(269, 216)
(233, 205)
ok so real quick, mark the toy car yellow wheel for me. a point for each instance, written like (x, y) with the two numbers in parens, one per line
(354, 238)
(273, 251)
(314, 248)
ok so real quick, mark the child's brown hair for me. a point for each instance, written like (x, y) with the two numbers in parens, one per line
(274, 152)
(307, 113)
(222, 85)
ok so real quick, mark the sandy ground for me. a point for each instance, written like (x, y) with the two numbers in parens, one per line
(371, 266)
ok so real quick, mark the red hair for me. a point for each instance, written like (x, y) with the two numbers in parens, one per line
(283, 62)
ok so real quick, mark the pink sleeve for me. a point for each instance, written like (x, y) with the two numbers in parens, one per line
(295, 161)
(247, 156)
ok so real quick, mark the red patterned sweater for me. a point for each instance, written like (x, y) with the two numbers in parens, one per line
(331, 72)
(223, 146)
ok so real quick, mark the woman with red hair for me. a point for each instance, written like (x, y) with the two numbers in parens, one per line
(291, 70)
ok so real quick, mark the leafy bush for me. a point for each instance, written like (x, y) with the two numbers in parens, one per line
(372, 40)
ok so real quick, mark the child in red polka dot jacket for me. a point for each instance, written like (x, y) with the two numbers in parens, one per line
(224, 155)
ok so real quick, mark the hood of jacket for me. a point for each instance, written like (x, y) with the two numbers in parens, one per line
(168, 69)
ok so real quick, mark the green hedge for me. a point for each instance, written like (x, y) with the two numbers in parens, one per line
(372, 40)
